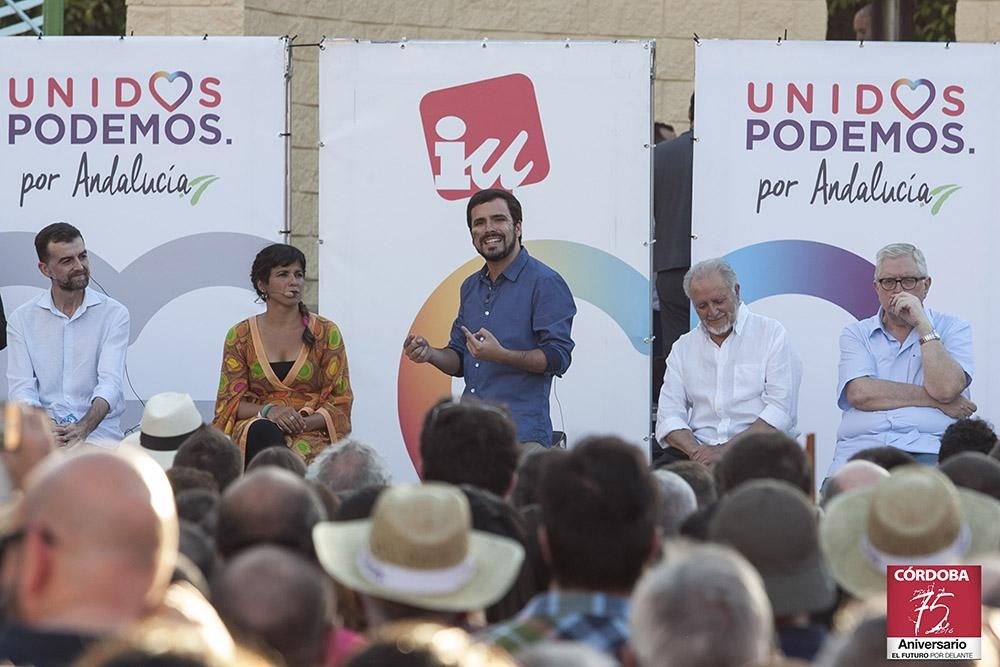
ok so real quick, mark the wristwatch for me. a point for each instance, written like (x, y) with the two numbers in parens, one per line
(933, 335)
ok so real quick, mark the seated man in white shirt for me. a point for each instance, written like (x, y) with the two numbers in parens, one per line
(735, 372)
(67, 346)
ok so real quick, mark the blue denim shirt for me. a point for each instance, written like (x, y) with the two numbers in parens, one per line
(528, 307)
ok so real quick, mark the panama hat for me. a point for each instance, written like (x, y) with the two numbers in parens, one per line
(914, 517)
(167, 421)
(419, 549)
(774, 526)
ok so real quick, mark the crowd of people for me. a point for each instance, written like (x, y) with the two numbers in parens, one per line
(273, 536)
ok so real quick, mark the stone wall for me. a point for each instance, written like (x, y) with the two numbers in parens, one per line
(671, 22)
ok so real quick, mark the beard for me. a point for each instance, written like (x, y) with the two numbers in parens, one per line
(500, 253)
(75, 283)
(721, 330)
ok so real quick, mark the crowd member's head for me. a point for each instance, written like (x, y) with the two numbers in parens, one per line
(699, 478)
(209, 449)
(967, 435)
(763, 455)
(349, 465)
(199, 507)
(415, 644)
(597, 494)
(529, 471)
(676, 501)
(490, 514)
(974, 471)
(199, 548)
(183, 479)
(772, 524)
(268, 506)
(275, 597)
(395, 560)
(94, 542)
(865, 644)
(706, 607)
(469, 443)
(915, 513)
(885, 457)
(852, 475)
(168, 419)
(279, 457)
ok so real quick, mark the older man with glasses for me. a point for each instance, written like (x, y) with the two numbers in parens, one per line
(904, 372)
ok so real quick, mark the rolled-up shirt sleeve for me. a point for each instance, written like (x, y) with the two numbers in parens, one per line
(22, 384)
(856, 360)
(782, 377)
(553, 309)
(111, 361)
(672, 407)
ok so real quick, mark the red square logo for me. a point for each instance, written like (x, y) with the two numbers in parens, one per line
(933, 611)
(485, 134)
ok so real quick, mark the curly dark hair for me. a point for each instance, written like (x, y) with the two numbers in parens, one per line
(272, 257)
(967, 435)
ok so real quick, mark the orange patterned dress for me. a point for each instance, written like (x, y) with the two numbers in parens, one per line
(318, 383)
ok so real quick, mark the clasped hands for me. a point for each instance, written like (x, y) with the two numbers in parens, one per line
(288, 419)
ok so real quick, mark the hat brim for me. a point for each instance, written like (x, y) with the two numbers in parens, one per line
(842, 531)
(497, 563)
(809, 589)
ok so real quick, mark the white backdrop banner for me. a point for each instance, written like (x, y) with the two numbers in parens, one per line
(409, 131)
(812, 156)
(167, 154)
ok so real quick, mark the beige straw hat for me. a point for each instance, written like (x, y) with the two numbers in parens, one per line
(914, 517)
(419, 549)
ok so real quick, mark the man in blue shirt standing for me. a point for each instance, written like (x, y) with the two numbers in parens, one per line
(905, 371)
(512, 333)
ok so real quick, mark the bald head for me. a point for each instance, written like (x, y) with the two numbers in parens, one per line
(102, 533)
(852, 475)
(268, 505)
(270, 594)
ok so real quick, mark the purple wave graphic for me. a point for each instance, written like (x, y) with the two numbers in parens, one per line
(806, 267)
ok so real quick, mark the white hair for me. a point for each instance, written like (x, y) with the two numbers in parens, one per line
(706, 608)
(349, 465)
(894, 250)
(708, 267)
(677, 501)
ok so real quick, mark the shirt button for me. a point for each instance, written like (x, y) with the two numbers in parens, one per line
(477, 364)
(472, 391)
(487, 312)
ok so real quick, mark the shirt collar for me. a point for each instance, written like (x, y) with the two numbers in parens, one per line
(90, 298)
(512, 272)
(879, 327)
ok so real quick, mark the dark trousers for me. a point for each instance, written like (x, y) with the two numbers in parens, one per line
(675, 309)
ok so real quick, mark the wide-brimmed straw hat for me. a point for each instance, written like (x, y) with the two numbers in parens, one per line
(167, 421)
(914, 517)
(419, 549)
(775, 527)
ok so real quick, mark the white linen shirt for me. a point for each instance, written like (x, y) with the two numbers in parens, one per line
(718, 391)
(63, 363)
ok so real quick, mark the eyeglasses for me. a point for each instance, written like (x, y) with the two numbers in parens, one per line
(889, 284)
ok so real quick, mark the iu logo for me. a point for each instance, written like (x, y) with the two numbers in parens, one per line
(485, 134)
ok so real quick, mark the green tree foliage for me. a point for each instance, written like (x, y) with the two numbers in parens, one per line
(933, 20)
(95, 17)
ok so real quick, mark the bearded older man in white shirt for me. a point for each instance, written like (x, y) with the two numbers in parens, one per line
(735, 372)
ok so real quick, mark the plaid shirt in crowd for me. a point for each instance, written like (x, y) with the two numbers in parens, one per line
(599, 620)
